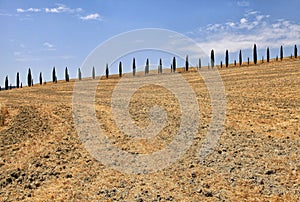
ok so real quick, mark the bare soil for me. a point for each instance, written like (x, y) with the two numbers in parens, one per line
(257, 157)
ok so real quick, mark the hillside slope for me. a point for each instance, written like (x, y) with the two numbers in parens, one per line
(256, 158)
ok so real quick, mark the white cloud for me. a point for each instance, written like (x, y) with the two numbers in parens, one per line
(61, 8)
(230, 24)
(48, 46)
(243, 20)
(94, 16)
(34, 10)
(260, 17)
(214, 27)
(251, 13)
(252, 28)
(243, 3)
(20, 10)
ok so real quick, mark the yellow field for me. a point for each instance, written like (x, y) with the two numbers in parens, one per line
(257, 157)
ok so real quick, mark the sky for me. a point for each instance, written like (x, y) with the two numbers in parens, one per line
(43, 34)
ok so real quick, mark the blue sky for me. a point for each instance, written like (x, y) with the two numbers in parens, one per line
(42, 34)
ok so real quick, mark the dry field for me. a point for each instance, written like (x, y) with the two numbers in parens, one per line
(257, 157)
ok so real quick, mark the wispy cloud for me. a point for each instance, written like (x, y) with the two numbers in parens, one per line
(66, 57)
(243, 3)
(4, 13)
(34, 10)
(94, 16)
(252, 28)
(49, 46)
(25, 56)
(61, 8)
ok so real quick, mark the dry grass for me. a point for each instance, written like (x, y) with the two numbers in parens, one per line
(257, 157)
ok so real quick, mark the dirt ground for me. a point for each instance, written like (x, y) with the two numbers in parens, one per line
(257, 157)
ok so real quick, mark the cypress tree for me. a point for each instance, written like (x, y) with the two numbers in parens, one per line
(295, 51)
(248, 61)
(133, 67)
(29, 78)
(41, 78)
(171, 67)
(199, 63)
(120, 69)
(6, 83)
(54, 78)
(226, 58)
(240, 58)
(67, 75)
(221, 64)
(18, 80)
(147, 67)
(281, 53)
(187, 63)
(268, 54)
(255, 54)
(107, 71)
(21, 85)
(174, 64)
(160, 66)
(79, 74)
(235, 63)
(212, 58)
(93, 73)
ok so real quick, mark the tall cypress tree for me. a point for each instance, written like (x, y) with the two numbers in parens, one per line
(187, 63)
(29, 78)
(226, 58)
(147, 67)
(120, 69)
(268, 54)
(133, 67)
(67, 77)
(6, 83)
(281, 53)
(18, 80)
(240, 58)
(93, 73)
(295, 51)
(160, 66)
(212, 58)
(107, 71)
(41, 78)
(54, 78)
(79, 74)
(255, 54)
(199, 63)
(174, 64)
